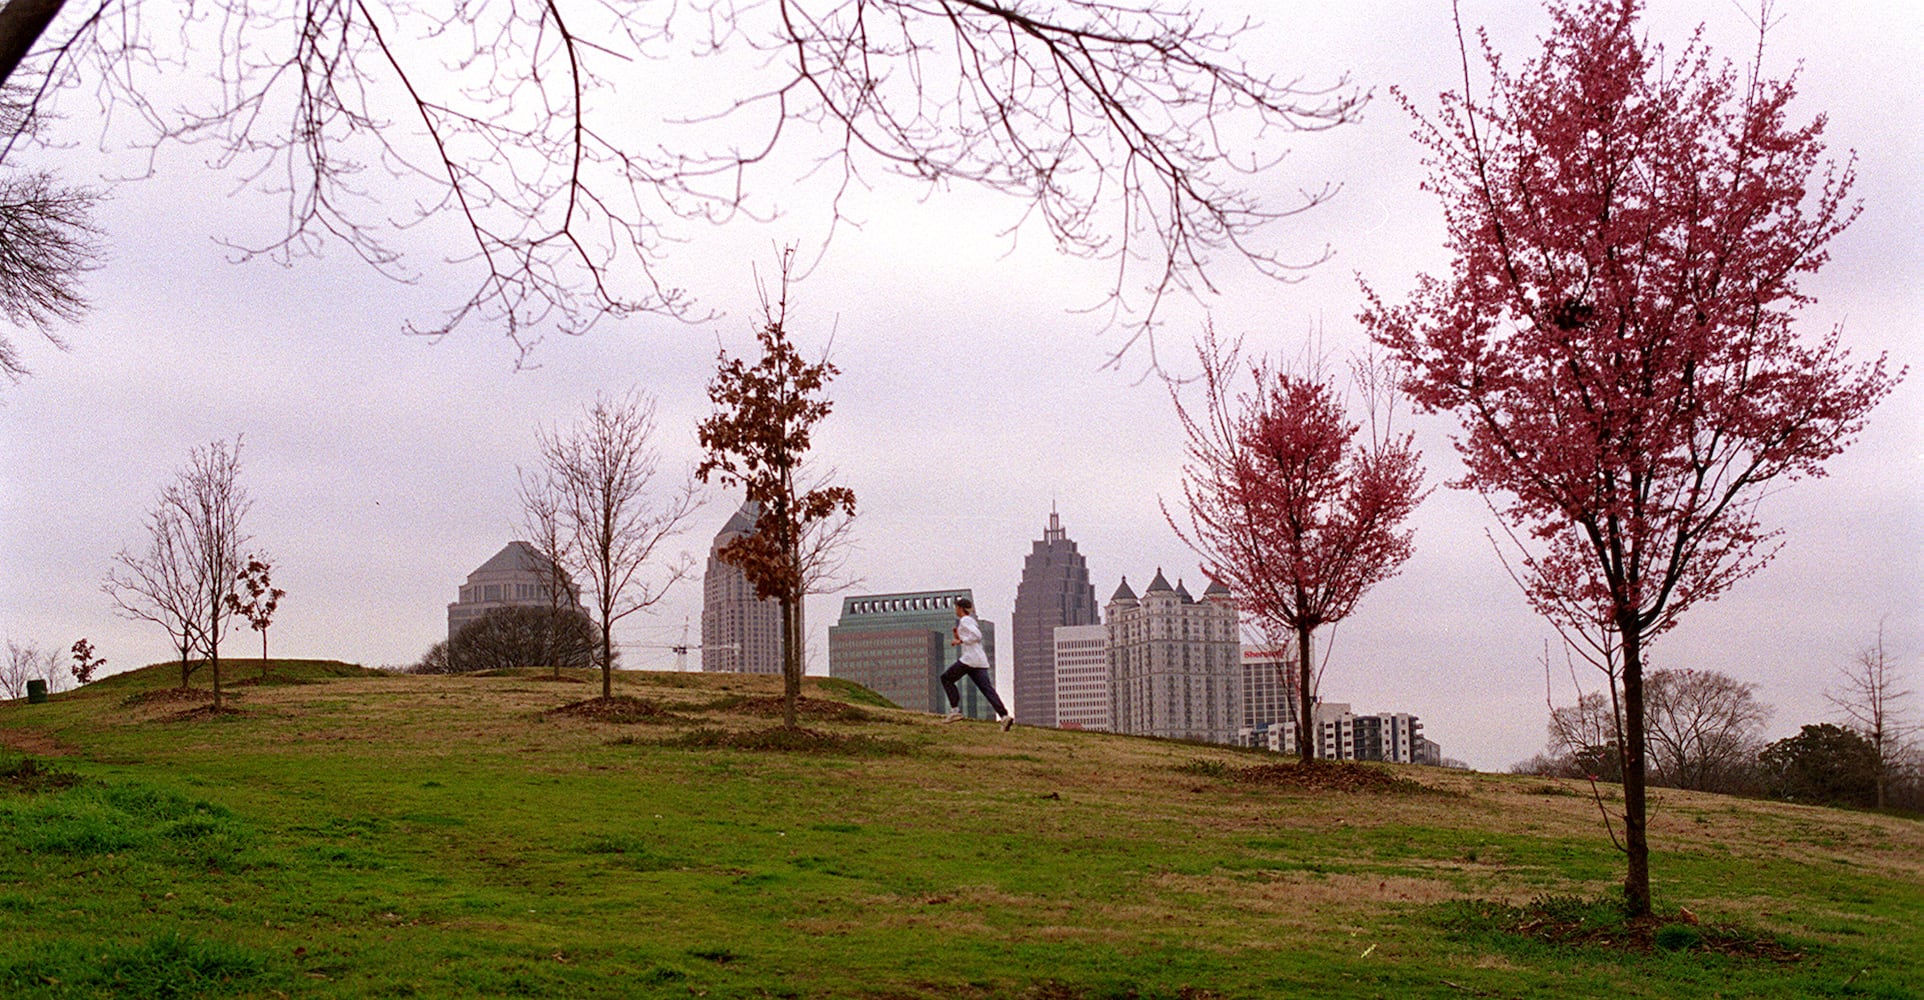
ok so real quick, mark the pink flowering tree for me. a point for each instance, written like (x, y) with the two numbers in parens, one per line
(1630, 226)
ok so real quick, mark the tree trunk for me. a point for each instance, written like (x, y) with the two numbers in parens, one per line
(1305, 722)
(263, 654)
(184, 671)
(213, 649)
(791, 658)
(21, 23)
(607, 659)
(1636, 846)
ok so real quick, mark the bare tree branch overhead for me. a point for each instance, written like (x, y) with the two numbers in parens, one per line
(47, 241)
(1129, 129)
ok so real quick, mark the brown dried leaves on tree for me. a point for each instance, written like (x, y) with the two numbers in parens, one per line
(758, 439)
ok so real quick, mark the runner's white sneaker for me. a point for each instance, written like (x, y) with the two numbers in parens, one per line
(1007, 721)
(952, 717)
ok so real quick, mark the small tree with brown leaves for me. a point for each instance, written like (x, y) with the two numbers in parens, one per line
(85, 663)
(1289, 510)
(262, 599)
(618, 514)
(758, 439)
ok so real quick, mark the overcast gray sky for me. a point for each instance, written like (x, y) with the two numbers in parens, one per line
(972, 398)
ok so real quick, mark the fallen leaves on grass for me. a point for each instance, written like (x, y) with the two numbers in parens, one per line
(621, 708)
(797, 740)
(1315, 776)
(1601, 924)
(204, 712)
(167, 696)
(771, 707)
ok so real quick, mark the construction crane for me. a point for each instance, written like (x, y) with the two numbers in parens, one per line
(680, 649)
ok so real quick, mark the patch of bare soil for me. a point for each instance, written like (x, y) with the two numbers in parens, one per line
(167, 696)
(1315, 776)
(29, 742)
(621, 708)
(552, 679)
(797, 740)
(30, 775)
(772, 707)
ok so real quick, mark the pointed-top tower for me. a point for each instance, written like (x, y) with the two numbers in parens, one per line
(739, 632)
(1054, 591)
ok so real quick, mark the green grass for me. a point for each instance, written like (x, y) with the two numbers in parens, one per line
(355, 835)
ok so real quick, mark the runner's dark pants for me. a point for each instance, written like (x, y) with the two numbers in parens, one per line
(984, 682)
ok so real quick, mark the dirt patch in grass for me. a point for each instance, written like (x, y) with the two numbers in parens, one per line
(205, 713)
(552, 679)
(29, 742)
(622, 709)
(772, 707)
(1568, 920)
(797, 740)
(167, 696)
(1316, 776)
(1050, 990)
(31, 776)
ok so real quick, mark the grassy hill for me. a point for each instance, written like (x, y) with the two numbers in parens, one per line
(349, 834)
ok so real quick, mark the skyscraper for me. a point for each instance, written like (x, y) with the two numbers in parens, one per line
(1054, 591)
(1175, 663)
(739, 633)
(897, 645)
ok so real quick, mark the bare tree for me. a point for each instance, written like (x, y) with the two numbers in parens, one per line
(27, 662)
(47, 241)
(543, 524)
(1703, 728)
(1872, 700)
(210, 502)
(1587, 737)
(1111, 119)
(158, 584)
(618, 515)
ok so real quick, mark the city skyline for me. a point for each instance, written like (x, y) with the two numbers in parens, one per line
(972, 394)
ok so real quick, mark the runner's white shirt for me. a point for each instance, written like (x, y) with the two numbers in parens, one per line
(970, 633)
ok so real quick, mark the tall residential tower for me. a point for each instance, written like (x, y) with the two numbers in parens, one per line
(1054, 591)
(1175, 663)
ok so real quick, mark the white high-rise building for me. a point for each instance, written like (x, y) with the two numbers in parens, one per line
(1082, 677)
(740, 633)
(1175, 663)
